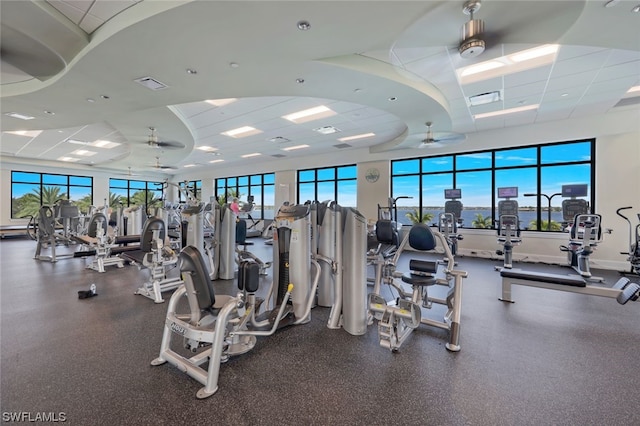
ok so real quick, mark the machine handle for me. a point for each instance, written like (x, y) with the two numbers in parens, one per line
(620, 214)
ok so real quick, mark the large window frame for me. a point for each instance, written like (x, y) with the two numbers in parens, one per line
(335, 183)
(548, 166)
(261, 186)
(126, 191)
(42, 187)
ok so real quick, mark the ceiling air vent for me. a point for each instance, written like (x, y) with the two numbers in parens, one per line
(279, 139)
(278, 155)
(151, 83)
(628, 101)
(326, 130)
(342, 145)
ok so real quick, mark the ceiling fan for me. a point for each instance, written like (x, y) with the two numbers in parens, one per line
(154, 142)
(436, 140)
(160, 166)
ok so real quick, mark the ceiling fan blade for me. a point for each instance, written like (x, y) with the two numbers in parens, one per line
(170, 145)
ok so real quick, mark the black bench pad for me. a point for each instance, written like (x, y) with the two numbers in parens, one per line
(571, 280)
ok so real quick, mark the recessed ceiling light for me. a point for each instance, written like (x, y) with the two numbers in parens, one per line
(361, 136)
(69, 159)
(529, 54)
(564, 95)
(393, 98)
(310, 114)
(481, 67)
(219, 160)
(506, 111)
(611, 3)
(303, 25)
(234, 65)
(49, 112)
(293, 148)
(636, 9)
(91, 100)
(189, 165)
(192, 72)
(299, 80)
(84, 152)
(77, 142)
(206, 148)
(254, 154)
(20, 116)
(105, 96)
(326, 130)
(634, 89)
(104, 144)
(242, 132)
(29, 133)
(221, 102)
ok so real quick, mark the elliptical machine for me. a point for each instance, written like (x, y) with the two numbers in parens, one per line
(450, 220)
(634, 243)
(585, 231)
(508, 224)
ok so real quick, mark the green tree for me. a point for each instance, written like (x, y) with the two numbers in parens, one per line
(114, 200)
(30, 203)
(481, 221)
(416, 217)
(84, 204)
(555, 226)
(231, 193)
(145, 197)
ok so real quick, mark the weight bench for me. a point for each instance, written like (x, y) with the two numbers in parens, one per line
(622, 291)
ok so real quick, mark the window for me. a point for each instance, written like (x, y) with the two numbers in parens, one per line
(539, 169)
(261, 187)
(329, 183)
(30, 190)
(135, 193)
(195, 187)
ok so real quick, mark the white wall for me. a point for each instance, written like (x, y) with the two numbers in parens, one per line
(617, 169)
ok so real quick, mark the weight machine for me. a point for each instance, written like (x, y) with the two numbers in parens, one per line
(634, 242)
(508, 227)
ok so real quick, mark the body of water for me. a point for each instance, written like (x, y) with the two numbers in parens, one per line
(526, 217)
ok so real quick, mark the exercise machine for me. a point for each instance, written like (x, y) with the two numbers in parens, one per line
(97, 238)
(53, 230)
(451, 219)
(243, 252)
(292, 262)
(339, 244)
(634, 242)
(398, 317)
(215, 327)
(155, 256)
(623, 290)
(585, 231)
(252, 228)
(508, 227)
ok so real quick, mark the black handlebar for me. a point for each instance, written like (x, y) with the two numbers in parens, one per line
(621, 215)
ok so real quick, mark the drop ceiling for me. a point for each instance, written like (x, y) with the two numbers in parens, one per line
(384, 67)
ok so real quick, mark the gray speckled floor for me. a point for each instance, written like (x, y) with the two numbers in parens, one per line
(552, 358)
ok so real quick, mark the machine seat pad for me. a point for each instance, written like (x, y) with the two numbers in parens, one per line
(136, 256)
(630, 291)
(427, 266)
(571, 280)
(419, 279)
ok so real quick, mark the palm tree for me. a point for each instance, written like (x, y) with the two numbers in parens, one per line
(114, 200)
(481, 221)
(144, 197)
(31, 202)
(416, 217)
(555, 226)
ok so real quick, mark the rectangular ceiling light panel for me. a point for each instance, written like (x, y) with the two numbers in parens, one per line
(310, 114)
(508, 64)
(242, 132)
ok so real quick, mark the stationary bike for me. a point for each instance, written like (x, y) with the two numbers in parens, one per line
(634, 243)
